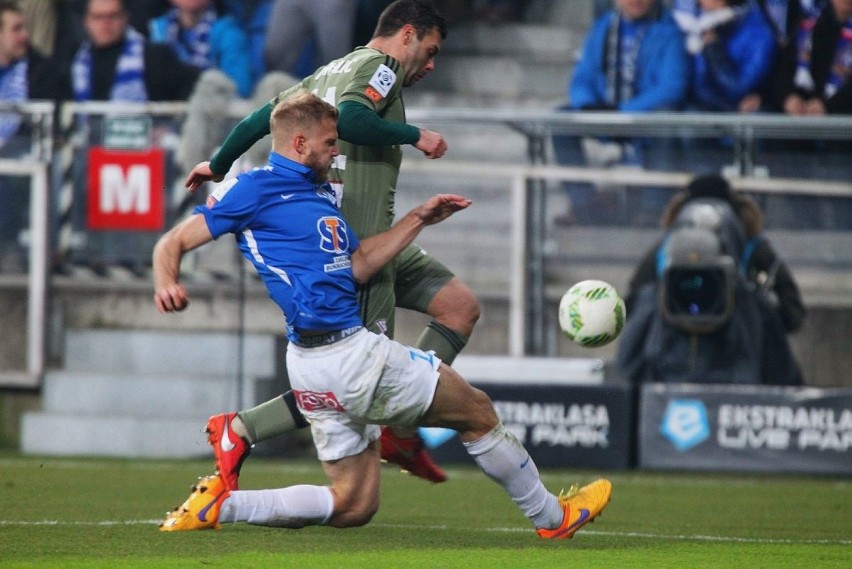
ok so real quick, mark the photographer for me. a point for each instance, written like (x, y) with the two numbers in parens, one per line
(713, 258)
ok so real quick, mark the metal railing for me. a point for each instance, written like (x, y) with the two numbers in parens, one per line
(525, 179)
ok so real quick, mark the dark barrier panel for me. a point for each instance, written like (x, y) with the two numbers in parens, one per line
(560, 425)
(745, 428)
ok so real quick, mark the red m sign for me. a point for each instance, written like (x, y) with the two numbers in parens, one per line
(125, 190)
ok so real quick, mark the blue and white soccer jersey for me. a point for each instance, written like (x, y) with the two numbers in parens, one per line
(310, 279)
(345, 389)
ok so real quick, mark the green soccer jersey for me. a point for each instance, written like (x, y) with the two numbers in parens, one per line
(366, 173)
(364, 177)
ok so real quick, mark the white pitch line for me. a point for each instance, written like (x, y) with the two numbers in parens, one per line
(629, 534)
(716, 538)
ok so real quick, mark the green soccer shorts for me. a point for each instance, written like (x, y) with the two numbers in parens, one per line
(410, 281)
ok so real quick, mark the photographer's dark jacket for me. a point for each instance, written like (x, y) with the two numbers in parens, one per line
(749, 347)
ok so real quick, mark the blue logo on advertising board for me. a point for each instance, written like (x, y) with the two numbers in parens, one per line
(685, 423)
(435, 436)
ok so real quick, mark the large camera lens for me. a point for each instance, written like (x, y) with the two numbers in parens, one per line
(696, 291)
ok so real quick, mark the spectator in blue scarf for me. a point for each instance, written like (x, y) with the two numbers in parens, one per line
(117, 63)
(202, 38)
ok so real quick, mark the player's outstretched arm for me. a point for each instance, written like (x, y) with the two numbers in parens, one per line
(169, 294)
(360, 124)
(439, 207)
(374, 252)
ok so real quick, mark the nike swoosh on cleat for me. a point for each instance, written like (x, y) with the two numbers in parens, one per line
(202, 513)
(225, 442)
(286, 196)
(584, 515)
(526, 462)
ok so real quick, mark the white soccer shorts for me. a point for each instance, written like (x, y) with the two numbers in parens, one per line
(345, 390)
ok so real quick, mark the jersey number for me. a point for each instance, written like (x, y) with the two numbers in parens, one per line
(418, 355)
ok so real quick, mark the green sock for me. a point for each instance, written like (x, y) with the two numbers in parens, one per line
(445, 342)
(272, 418)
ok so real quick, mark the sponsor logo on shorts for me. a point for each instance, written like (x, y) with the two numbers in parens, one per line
(318, 401)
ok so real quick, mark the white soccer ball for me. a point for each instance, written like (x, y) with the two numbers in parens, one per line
(591, 313)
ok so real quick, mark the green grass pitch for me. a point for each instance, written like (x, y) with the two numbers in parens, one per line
(101, 513)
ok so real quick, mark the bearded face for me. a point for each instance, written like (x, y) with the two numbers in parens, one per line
(322, 149)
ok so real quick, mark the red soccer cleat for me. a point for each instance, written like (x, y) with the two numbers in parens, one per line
(229, 449)
(410, 455)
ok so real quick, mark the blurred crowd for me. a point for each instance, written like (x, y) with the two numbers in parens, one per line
(115, 49)
(775, 56)
(735, 56)
(790, 56)
(205, 52)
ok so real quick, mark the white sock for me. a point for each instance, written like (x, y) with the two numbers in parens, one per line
(503, 458)
(292, 507)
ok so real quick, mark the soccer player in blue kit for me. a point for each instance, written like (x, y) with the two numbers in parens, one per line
(347, 380)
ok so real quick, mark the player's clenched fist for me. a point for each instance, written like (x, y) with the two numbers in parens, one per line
(431, 143)
(172, 298)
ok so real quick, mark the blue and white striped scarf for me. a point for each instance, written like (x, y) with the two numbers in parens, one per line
(624, 41)
(192, 45)
(695, 22)
(841, 67)
(129, 82)
(13, 87)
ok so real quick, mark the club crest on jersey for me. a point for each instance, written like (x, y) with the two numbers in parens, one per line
(333, 236)
(381, 82)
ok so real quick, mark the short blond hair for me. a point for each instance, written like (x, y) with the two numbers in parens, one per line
(301, 109)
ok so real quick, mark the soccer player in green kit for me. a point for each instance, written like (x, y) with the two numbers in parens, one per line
(366, 87)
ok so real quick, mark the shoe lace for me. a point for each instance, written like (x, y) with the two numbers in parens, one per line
(572, 491)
